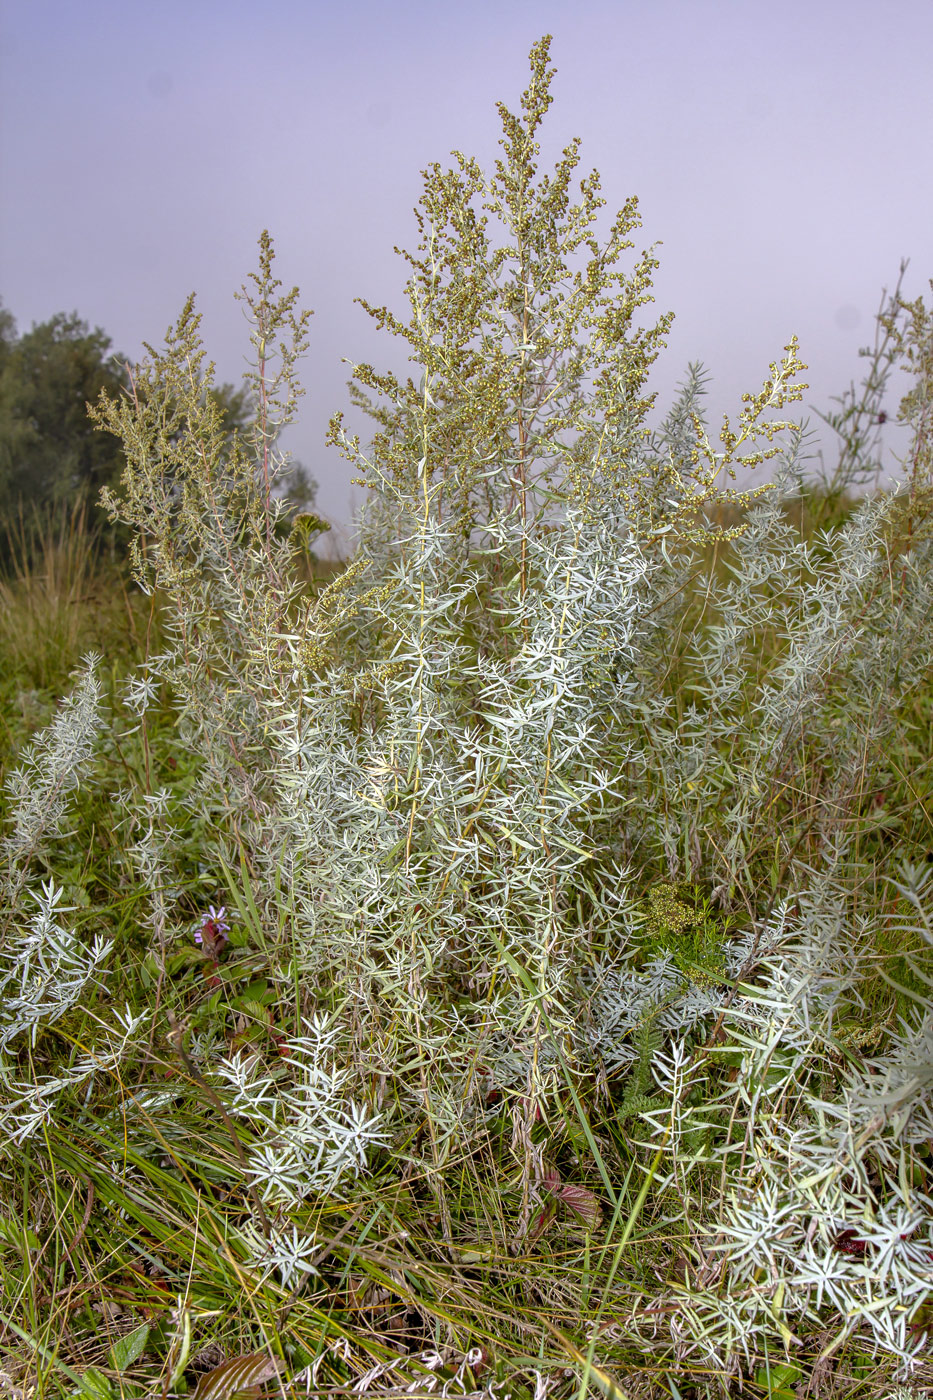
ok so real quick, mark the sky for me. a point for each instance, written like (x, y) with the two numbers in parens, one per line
(780, 155)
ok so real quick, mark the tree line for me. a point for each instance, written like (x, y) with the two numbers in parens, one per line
(52, 458)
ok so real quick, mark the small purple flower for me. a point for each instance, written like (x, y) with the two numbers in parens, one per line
(214, 929)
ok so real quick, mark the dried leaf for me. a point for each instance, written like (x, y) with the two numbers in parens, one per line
(240, 1373)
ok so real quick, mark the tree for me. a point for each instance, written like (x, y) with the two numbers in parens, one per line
(51, 456)
(49, 452)
(7, 334)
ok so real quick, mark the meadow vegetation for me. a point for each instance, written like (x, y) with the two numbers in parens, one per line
(502, 967)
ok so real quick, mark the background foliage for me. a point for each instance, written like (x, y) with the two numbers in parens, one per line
(52, 461)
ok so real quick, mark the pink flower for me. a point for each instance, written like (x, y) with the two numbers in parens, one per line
(213, 931)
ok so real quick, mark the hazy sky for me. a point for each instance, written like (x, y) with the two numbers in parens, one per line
(781, 153)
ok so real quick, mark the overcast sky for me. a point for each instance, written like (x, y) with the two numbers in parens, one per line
(781, 153)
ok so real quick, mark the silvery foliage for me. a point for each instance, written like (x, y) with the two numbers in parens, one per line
(52, 768)
(45, 969)
(396, 1377)
(315, 1136)
(481, 819)
(820, 1216)
(405, 1374)
(850, 656)
(310, 1138)
(400, 821)
(620, 998)
(286, 1253)
(53, 975)
(151, 853)
(48, 969)
(458, 830)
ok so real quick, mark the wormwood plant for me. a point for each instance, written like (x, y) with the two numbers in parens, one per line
(552, 689)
